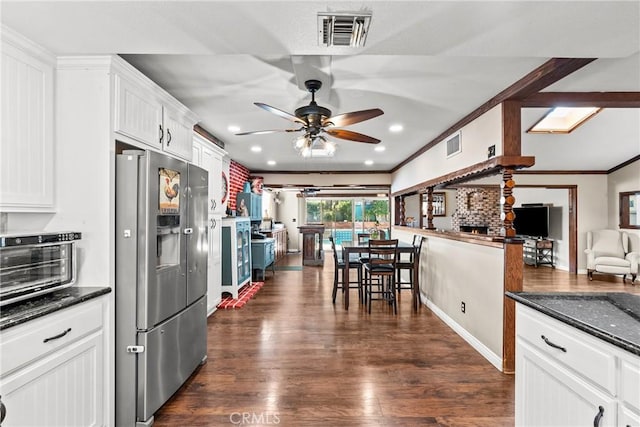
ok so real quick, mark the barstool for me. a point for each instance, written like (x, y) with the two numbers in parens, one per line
(410, 264)
(339, 265)
(381, 266)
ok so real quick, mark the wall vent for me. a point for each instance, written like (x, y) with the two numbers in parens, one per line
(343, 29)
(454, 145)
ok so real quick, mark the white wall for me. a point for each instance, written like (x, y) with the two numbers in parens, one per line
(445, 222)
(622, 180)
(592, 203)
(476, 137)
(479, 283)
(413, 208)
(288, 212)
(558, 198)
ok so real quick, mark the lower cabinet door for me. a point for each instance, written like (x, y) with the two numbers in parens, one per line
(62, 389)
(214, 267)
(628, 417)
(548, 394)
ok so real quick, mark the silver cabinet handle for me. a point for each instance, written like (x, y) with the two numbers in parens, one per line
(213, 223)
(168, 137)
(161, 136)
(60, 335)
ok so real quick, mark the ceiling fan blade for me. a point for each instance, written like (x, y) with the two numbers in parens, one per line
(347, 119)
(351, 136)
(263, 132)
(280, 113)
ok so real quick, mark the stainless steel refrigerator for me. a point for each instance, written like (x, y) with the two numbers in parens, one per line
(161, 280)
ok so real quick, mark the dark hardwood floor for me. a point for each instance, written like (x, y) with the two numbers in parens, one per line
(292, 358)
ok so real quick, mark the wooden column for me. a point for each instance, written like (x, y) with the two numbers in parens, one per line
(507, 201)
(401, 211)
(513, 270)
(430, 208)
(511, 129)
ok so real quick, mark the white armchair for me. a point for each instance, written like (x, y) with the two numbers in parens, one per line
(609, 252)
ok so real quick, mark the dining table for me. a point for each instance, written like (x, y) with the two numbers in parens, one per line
(361, 248)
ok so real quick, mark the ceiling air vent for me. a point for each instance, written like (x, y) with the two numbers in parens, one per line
(343, 29)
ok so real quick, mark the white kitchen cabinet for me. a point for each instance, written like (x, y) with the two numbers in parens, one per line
(149, 116)
(54, 371)
(209, 157)
(27, 149)
(177, 133)
(566, 377)
(552, 396)
(138, 113)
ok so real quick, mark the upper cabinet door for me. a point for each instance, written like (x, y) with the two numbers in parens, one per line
(144, 115)
(27, 148)
(138, 114)
(177, 134)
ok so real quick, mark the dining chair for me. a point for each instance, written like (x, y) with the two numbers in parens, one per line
(409, 264)
(380, 272)
(363, 237)
(339, 280)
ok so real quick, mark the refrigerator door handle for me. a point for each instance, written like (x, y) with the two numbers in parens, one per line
(188, 231)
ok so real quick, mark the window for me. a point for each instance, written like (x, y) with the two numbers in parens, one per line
(344, 217)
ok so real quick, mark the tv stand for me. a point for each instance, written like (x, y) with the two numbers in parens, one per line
(537, 252)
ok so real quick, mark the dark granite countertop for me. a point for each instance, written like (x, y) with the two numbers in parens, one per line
(23, 311)
(613, 317)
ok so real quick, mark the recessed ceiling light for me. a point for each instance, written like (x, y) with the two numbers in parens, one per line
(233, 128)
(368, 162)
(380, 148)
(256, 149)
(395, 128)
(271, 162)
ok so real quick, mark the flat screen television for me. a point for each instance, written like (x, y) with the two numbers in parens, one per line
(532, 221)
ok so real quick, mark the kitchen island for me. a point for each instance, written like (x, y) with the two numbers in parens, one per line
(577, 359)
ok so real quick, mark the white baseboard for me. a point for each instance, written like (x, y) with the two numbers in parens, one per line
(491, 357)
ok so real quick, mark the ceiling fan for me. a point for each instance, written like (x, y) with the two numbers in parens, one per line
(315, 119)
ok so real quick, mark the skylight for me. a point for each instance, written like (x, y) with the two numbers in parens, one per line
(563, 119)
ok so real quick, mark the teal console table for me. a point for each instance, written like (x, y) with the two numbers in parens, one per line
(262, 256)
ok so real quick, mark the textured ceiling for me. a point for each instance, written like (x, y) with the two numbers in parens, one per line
(427, 64)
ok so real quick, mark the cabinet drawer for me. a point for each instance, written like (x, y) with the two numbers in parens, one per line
(630, 382)
(583, 354)
(32, 340)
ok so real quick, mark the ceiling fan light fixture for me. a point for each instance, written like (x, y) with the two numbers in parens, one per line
(314, 146)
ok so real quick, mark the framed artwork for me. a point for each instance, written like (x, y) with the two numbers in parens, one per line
(439, 204)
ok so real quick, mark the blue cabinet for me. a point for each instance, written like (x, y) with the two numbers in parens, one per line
(236, 254)
(263, 255)
(253, 204)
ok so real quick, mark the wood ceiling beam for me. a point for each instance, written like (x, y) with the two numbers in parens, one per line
(548, 73)
(583, 99)
(479, 170)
